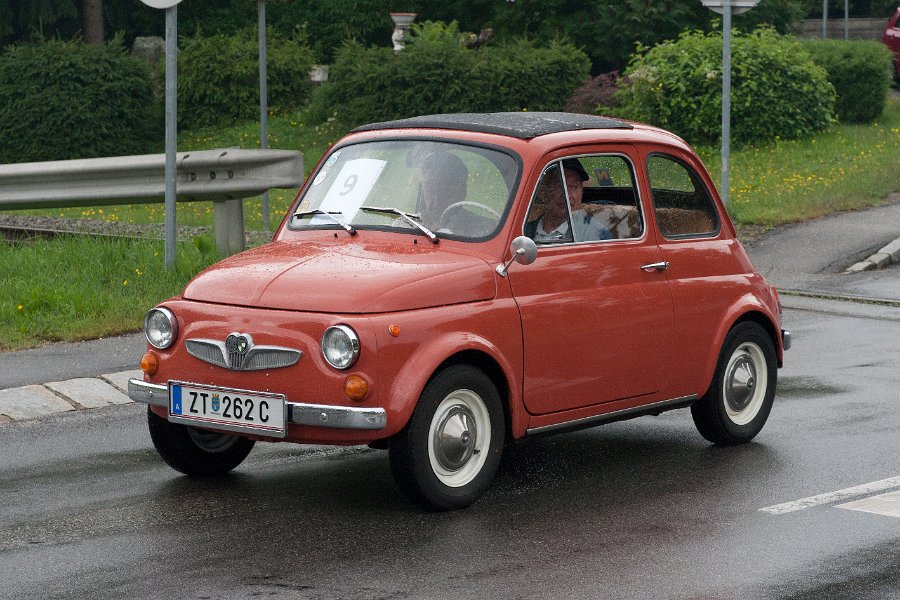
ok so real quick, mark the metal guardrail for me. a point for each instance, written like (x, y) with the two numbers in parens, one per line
(224, 177)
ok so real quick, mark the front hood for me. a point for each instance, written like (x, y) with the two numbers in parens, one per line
(348, 277)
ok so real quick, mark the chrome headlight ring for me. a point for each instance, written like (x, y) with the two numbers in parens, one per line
(340, 346)
(160, 328)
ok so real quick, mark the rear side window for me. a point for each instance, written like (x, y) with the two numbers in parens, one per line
(683, 206)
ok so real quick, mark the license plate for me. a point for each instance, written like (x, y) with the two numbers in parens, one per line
(241, 411)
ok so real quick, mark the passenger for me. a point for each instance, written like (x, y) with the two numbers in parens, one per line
(553, 225)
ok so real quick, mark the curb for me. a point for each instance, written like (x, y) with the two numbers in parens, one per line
(83, 393)
(889, 255)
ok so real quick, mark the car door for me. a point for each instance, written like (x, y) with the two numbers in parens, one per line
(596, 314)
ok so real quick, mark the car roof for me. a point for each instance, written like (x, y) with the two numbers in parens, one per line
(521, 125)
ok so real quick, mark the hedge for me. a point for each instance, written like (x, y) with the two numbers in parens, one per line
(65, 99)
(861, 73)
(435, 73)
(777, 89)
(218, 76)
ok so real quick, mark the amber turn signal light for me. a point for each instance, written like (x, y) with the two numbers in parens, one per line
(149, 363)
(394, 330)
(356, 388)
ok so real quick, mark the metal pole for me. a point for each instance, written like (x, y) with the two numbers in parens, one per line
(726, 99)
(171, 131)
(846, 19)
(824, 19)
(263, 102)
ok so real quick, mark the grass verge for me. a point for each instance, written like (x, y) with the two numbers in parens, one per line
(844, 168)
(74, 288)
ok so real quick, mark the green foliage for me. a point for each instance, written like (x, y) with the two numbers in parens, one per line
(218, 76)
(435, 74)
(608, 31)
(777, 90)
(62, 100)
(860, 72)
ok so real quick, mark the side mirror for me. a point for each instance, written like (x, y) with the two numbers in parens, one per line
(524, 252)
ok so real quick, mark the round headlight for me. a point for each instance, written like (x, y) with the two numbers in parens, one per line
(161, 328)
(340, 346)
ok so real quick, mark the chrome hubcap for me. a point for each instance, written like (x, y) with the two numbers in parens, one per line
(455, 437)
(741, 383)
(459, 438)
(745, 384)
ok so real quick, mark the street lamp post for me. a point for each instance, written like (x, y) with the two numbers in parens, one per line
(726, 8)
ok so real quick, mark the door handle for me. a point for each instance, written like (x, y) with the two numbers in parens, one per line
(658, 266)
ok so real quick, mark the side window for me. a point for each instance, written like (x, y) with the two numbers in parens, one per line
(683, 206)
(548, 220)
(585, 199)
(610, 195)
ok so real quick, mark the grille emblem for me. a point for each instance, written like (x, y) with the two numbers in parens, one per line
(239, 353)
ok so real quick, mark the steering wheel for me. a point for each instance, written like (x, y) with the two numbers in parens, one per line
(457, 206)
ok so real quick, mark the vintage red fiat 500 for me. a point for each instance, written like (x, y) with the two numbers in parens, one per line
(445, 284)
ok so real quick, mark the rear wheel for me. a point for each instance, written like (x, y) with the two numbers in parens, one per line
(740, 398)
(196, 452)
(449, 452)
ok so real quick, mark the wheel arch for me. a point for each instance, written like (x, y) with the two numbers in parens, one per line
(751, 314)
(490, 367)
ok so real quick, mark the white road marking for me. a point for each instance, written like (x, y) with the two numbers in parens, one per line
(832, 497)
(885, 504)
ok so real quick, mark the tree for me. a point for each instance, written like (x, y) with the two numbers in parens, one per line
(92, 19)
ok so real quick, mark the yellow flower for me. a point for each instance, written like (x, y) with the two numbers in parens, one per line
(125, 282)
(20, 307)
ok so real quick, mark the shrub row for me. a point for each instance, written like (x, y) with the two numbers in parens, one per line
(61, 100)
(218, 76)
(777, 89)
(436, 74)
(860, 72)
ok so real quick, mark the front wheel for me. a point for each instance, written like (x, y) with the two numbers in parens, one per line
(449, 452)
(196, 452)
(740, 397)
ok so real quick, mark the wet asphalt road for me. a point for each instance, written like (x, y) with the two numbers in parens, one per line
(640, 509)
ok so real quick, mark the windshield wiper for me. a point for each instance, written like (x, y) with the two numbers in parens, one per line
(411, 218)
(330, 214)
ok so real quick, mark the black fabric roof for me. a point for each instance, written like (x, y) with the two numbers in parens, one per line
(522, 125)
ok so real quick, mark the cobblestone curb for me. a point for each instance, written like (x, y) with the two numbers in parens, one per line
(83, 393)
(889, 255)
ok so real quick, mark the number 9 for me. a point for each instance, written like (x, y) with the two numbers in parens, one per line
(349, 184)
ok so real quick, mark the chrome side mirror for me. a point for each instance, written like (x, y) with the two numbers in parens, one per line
(524, 252)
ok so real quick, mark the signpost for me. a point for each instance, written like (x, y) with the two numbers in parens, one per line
(263, 102)
(171, 9)
(726, 8)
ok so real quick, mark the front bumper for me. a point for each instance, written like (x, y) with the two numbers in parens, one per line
(316, 415)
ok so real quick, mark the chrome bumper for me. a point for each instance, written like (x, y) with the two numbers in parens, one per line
(317, 415)
(786, 339)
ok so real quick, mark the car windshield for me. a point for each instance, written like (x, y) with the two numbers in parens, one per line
(444, 189)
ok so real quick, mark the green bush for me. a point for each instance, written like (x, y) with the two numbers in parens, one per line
(218, 76)
(436, 74)
(62, 100)
(777, 90)
(860, 72)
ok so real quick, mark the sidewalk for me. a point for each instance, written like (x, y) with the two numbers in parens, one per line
(809, 258)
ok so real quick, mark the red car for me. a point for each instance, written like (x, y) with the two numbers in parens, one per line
(891, 39)
(445, 284)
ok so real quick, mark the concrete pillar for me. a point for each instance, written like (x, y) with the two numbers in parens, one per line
(228, 225)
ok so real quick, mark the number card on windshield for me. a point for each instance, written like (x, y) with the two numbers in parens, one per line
(350, 188)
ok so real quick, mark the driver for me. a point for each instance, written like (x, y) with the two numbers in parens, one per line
(444, 182)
